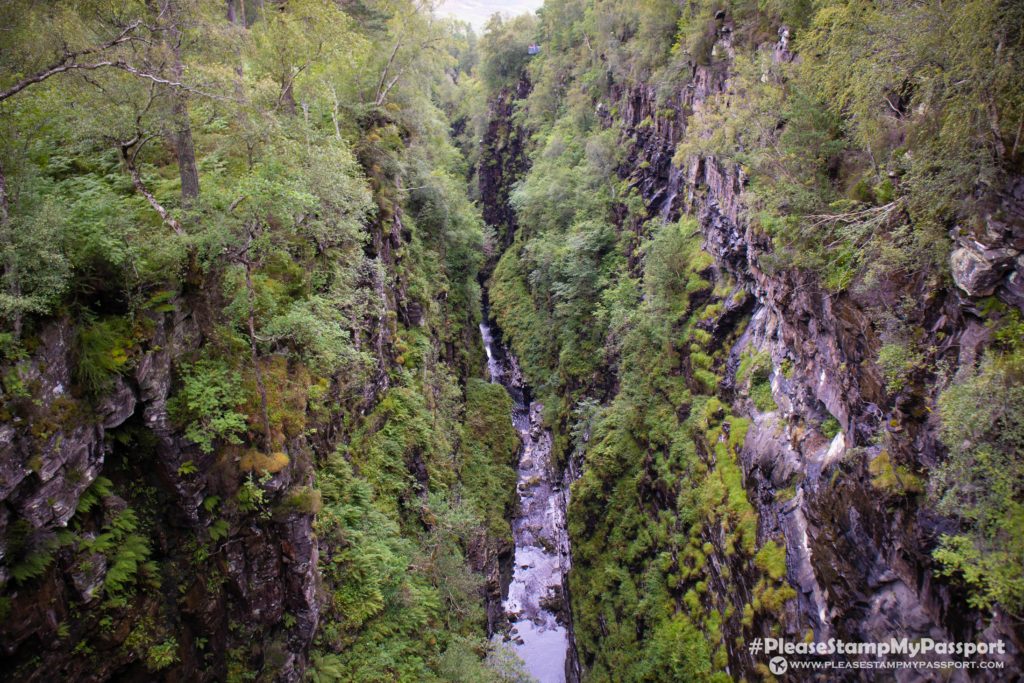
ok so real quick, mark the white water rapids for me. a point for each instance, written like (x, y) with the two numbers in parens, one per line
(536, 590)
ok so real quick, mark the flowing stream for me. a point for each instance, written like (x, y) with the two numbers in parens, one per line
(534, 603)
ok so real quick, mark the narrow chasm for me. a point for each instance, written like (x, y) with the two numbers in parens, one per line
(528, 341)
(534, 602)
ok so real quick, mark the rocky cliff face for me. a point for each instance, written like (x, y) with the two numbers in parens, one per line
(231, 566)
(820, 467)
(102, 489)
(858, 554)
(503, 161)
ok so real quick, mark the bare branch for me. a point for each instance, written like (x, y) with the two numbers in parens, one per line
(382, 94)
(387, 67)
(129, 151)
(68, 62)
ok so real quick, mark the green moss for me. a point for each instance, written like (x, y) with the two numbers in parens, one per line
(893, 479)
(771, 559)
(830, 427)
(761, 395)
(304, 500)
(752, 363)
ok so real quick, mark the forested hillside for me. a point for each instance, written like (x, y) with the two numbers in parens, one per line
(759, 264)
(243, 434)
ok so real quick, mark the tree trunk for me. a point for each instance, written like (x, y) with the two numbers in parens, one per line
(186, 152)
(287, 95)
(5, 210)
(182, 136)
(128, 152)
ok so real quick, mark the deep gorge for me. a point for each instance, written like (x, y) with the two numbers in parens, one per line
(342, 342)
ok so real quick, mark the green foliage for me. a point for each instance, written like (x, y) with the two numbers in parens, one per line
(30, 550)
(753, 373)
(103, 351)
(830, 427)
(488, 455)
(36, 270)
(897, 360)
(504, 51)
(331, 228)
(663, 437)
(100, 489)
(771, 559)
(250, 496)
(825, 140)
(207, 403)
(304, 500)
(162, 655)
(991, 577)
(378, 522)
(144, 641)
(982, 481)
(127, 550)
(761, 395)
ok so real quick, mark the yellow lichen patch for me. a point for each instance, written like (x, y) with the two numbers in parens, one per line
(261, 463)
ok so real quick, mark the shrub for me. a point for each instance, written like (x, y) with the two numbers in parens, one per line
(206, 403)
(761, 395)
(897, 361)
(981, 483)
(991, 575)
(162, 655)
(830, 427)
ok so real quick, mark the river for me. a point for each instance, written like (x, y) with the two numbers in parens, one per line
(534, 601)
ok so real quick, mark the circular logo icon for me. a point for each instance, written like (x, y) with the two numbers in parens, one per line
(778, 665)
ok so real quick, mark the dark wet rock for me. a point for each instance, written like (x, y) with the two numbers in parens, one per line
(116, 406)
(859, 557)
(504, 145)
(88, 575)
(57, 447)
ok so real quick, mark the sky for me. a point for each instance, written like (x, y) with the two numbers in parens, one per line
(477, 12)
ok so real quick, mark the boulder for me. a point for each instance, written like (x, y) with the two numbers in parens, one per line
(979, 272)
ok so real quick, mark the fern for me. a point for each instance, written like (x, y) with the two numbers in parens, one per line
(31, 550)
(100, 489)
(32, 566)
(327, 668)
(132, 552)
(127, 553)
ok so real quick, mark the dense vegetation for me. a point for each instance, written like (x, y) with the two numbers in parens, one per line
(896, 124)
(246, 428)
(280, 176)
